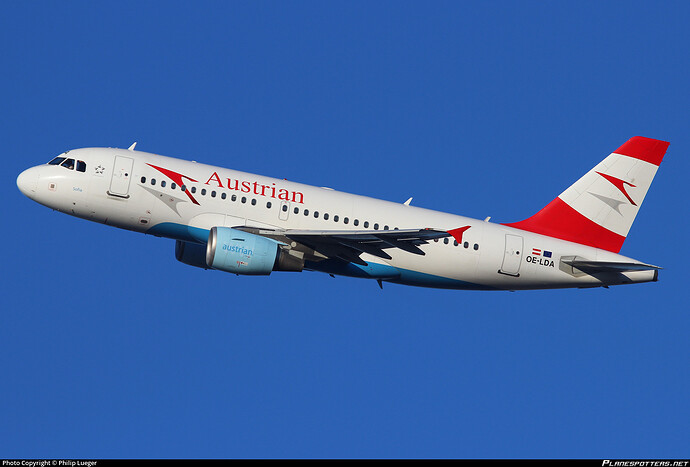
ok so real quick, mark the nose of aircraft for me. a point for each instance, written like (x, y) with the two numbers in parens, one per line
(27, 181)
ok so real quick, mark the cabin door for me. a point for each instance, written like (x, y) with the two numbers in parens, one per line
(512, 256)
(122, 174)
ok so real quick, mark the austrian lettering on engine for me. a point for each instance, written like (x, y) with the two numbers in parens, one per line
(237, 249)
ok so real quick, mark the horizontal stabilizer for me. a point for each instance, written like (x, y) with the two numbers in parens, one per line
(608, 266)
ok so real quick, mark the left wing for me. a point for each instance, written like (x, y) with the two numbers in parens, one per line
(348, 245)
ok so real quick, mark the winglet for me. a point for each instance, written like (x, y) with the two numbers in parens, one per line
(131, 148)
(407, 203)
(457, 233)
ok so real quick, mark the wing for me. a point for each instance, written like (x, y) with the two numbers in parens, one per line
(348, 245)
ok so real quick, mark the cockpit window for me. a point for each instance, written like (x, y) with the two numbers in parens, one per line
(56, 161)
(81, 166)
(69, 164)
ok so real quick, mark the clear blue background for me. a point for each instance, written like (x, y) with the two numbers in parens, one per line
(110, 348)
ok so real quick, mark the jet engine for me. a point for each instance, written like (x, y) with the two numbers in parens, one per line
(240, 252)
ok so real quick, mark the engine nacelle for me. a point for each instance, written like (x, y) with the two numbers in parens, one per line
(241, 252)
(193, 254)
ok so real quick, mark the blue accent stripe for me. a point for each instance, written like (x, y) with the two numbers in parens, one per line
(391, 274)
(421, 279)
(179, 232)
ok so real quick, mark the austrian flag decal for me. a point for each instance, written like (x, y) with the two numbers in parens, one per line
(540, 257)
(538, 252)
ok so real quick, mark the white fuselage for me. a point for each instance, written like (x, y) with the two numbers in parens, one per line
(140, 191)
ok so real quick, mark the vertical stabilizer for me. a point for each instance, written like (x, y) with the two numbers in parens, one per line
(599, 209)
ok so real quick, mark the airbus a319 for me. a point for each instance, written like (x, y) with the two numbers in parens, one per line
(250, 224)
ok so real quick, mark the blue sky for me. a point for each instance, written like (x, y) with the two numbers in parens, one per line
(111, 348)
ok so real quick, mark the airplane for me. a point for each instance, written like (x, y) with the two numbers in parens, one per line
(250, 224)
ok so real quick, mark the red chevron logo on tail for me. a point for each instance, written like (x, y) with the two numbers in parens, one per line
(620, 184)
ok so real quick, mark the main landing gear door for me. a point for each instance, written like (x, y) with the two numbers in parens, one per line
(512, 256)
(122, 174)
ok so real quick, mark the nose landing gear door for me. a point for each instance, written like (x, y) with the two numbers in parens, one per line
(122, 174)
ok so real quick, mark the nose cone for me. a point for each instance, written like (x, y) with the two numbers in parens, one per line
(27, 181)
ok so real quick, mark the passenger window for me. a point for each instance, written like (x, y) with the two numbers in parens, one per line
(143, 179)
(356, 222)
(223, 195)
(163, 183)
(81, 166)
(173, 186)
(253, 201)
(476, 246)
(316, 213)
(193, 189)
(244, 199)
(466, 244)
(385, 227)
(268, 205)
(183, 188)
(213, 193)
(335, 218)
(68, 164)
(306, 212)
(284, 208)
(296, 210)
(233, 198)
(366, 224)
(376, 227)
(445, 240)
(325, 216)
(346, 220)
(455, 243)
(56, 161)
(153, 181)
(203, 192)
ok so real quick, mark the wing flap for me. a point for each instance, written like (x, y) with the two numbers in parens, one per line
(367, 248)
